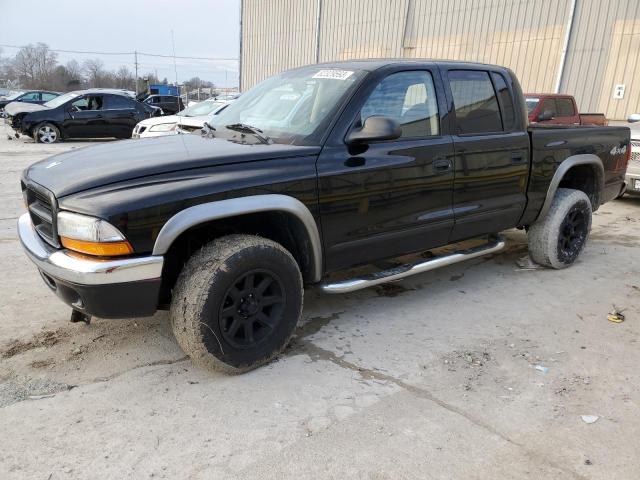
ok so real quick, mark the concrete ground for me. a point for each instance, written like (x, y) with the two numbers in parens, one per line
(441, 376)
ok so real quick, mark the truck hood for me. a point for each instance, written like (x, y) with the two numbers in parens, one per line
(21, 107)
(95, 166)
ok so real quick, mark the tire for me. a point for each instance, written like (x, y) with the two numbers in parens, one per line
(236, 303)
(46, 133)
(556, 240)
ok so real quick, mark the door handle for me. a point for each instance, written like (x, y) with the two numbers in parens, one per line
(442, 165)
(517, 158)
(354, 162)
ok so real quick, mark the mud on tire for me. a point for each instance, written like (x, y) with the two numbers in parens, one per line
(236, 303)
(556, 240)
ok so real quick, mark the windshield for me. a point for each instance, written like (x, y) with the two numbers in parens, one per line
(62, 99)
(532, 103)
(293, 107)
(200, 109)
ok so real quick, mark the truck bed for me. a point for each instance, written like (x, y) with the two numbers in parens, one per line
(551, 144)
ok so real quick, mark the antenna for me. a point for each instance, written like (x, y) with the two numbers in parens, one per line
(173, 43)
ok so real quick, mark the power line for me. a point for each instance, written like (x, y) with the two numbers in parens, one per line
(87, 52)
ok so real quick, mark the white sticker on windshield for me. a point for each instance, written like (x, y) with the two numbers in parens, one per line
(334, 74)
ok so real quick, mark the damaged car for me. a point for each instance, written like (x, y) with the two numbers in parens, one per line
(95, 113)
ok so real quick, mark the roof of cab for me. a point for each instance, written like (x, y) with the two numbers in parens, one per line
(376, 63)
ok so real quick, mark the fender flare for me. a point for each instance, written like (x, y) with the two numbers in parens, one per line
(563, 168)
(205, 212)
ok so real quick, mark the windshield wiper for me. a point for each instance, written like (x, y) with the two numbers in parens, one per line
(244, 128)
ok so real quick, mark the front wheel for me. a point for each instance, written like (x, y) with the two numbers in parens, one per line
(556, 240)
(236, 303)
(46, 133)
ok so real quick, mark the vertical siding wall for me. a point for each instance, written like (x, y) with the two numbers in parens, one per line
(524, 35)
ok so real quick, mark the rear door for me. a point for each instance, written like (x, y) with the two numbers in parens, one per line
(491, 152)
(386, 198)
(120, 113)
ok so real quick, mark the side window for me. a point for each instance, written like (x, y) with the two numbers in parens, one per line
(94, 102)
(48, 96)
(475, 102)
(80, 104)
(565, 107)
(409, 98)
(549, 104)
(117, 102)
(506, 101)
(30, 97)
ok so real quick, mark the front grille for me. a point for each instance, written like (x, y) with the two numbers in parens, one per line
(42, 210)
(635, 153)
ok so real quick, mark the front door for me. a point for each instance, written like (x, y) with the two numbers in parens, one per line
(85, 118)
(386, 198)
(491, 154)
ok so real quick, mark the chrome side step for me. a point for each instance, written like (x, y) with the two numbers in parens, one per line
(343, 286)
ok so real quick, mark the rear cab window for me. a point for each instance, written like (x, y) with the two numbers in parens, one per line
(475, 102)
(564, 107)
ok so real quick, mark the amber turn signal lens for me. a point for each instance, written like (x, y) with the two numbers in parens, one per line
(107, 249)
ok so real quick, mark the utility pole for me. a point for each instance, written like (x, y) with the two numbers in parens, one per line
(135, 53)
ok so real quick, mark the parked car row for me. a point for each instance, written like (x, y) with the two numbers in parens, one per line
(188, 120)
(95, 113)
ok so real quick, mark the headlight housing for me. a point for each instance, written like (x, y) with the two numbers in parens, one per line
(91, 235)
(163, 127)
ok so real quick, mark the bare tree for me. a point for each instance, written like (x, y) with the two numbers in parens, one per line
(94, 70)
(33, 65)
(124, 78)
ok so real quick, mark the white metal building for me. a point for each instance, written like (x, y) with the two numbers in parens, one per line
(587, 48)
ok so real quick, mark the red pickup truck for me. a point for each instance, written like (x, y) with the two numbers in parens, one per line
(560, 110)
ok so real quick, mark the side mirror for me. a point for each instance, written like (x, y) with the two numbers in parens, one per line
(633, 118)
(546, 115)
(376, 128)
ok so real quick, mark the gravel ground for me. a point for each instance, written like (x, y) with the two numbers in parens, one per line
(443, 375)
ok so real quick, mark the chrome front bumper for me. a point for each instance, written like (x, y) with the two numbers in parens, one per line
(82, 270)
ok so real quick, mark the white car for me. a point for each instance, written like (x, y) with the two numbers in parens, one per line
(632, 177)
(186, 121)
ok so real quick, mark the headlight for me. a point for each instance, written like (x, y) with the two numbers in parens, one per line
(163, 127)
(91, 235)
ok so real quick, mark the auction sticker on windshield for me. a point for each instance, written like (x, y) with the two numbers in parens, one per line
(334, 74)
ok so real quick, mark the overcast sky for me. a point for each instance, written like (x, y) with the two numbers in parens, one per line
(202, 28)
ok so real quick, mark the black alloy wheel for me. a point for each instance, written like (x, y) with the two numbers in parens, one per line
(252, 308)
(573, 233)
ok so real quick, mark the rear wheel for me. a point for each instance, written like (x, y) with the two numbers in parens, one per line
(236, 303)
(556, 240)
(46, 133)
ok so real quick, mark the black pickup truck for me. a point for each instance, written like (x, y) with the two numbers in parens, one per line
(315, 170)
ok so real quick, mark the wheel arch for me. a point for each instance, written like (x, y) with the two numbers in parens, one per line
(56, 124)
(203, 214)
(570, 172)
